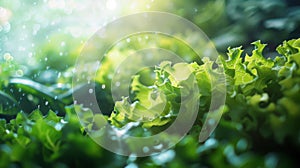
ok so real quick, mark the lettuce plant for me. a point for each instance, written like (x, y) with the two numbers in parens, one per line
(259, 126)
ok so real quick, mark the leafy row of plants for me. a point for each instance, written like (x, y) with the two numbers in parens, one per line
(259, 126)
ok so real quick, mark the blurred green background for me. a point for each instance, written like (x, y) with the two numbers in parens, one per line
(46, 36)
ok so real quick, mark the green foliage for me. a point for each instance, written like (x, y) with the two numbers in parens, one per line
(35, 140)
(8, 68)
(263, 103)
(258, 19)
(154, 105)
(8, 104)
(258, 128)
(235, 22)
(59, 52)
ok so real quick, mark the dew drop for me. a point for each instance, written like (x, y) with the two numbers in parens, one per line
(164, 157)
(19, 73)
(132, 157)
(211, 121)
(30, 97)
(58, 126)
(8, 57)
(242, 144)
(146, 149)
(158, 147)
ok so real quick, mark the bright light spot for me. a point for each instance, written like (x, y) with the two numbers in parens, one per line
(133, 5)
(59, 85)
(58, 126)
(19, 73)
(131, 165)
(56, 4)
(164, 157)
(158, 147)
(5, 15)
(111, 5)
(8, 57)
(62, 43)
(30, 54)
